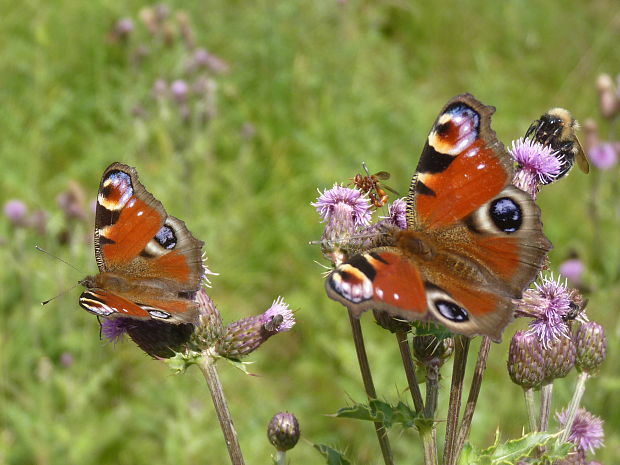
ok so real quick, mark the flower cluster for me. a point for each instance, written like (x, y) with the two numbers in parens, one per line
(191, 91)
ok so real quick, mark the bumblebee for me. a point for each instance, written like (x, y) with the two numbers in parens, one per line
(557, 129)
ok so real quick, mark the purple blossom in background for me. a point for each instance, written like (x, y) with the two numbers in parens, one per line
(124, 27)
(603, 156)
(572, 269)
(352, 199)
(537, 164)
(547, 303)
(16, 212)
(587, 430)
(179, 90)
(160, 88)
(397, 213)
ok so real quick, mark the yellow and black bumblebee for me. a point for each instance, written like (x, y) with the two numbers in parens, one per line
(557, 129)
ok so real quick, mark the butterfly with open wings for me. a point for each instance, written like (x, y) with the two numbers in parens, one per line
(473, 241)
(150, 265)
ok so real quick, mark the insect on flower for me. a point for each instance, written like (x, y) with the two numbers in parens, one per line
(371, 184)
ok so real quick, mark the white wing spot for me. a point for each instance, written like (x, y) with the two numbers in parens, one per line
(481, 166)
(140, 213)
(131, 203)
(396, 296)
(380, 293)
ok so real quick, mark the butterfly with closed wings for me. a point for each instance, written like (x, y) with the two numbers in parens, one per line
(473, 241)
(150, 265)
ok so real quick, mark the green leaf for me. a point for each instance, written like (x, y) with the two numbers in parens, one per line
(240, 365)
(332, 455)
(182, 360)
(382, 412)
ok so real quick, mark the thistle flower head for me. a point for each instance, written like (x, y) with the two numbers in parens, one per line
(351, 201)
(525, 360)
(548, 303)
(591, 346)
(391, 323)
(603, 156)
(397, 213)
(572, 269)
(559, 358)
(429, 350)
(113, 329)
(16, 212)
(538, 164)
(244, 336)
(283, 431)
(179, 90)
(587, 429)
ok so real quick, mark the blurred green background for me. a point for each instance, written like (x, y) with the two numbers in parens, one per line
(303, 92)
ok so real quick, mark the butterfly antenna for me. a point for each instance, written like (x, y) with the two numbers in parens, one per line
(57, 258)
(62, 293)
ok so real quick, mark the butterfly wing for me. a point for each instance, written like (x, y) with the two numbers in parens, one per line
(473, 242)
(144, 255)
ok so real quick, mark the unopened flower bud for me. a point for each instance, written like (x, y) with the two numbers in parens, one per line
(525, 360)
(429, 350)
(591, 346)
(559, 357)
(283, 431)
(608, 100)
(209, 328)
(393, 324)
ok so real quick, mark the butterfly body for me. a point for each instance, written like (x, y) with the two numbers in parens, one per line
(473, 241)
(150, 264)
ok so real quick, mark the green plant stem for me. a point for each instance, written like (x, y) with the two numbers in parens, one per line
(546, 396)
(358, 340)
(207, 366)
(429, 442)
(281, 457)
(432, 390)
(580, 388)
(474, 391)
(530, 403)
(461, 348)
(412, 381)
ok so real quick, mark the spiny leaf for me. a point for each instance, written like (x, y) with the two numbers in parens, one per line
(382, 412)
(332, 455)
(182, 360)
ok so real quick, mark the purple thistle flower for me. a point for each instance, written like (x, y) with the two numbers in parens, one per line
(587, 430)
(160, 88)
(397, 213)
(573, 270)
(113, 329)
(548, 303)
(603, 156)
(352, 200)
(203, 59)
(123, 28)
(179, 90)
(16, 211)
(538, 164)
(244, 336)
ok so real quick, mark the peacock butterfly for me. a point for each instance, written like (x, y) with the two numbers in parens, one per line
(473, 241)
(150, 265)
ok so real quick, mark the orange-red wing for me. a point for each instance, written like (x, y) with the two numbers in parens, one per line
(398, 283)
(462, 166)
(107, 304)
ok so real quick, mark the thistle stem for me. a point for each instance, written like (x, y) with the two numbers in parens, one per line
(358, 340)
(530, 403)
(207, 366)
(412, 381)
(474, 391)
(281, 458)
(580, 388)
(461, 348)
(546, 395)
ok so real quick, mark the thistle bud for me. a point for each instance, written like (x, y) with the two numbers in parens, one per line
(591, 346)
(525, 360)
(429, 350)
(246, 335)
(209, 328)
(559, 357)
(283, 431)
(608, 100)
(391, 323)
